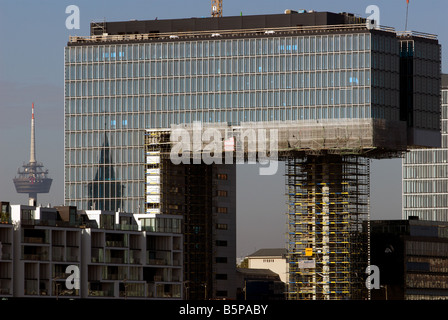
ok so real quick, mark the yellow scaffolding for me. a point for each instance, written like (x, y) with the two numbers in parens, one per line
(328, 203)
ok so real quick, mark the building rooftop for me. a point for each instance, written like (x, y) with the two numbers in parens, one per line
(229, 27)
(411, 227)
(258, 273)
(269, 252)
(293, 19)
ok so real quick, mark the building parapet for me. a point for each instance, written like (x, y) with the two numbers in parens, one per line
(171, 36)
(417, 34)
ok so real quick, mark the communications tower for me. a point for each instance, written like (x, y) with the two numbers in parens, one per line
(32, 177)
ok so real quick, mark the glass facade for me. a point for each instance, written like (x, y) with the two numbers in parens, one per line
(425, 177)
(115, 91)
(420, 83)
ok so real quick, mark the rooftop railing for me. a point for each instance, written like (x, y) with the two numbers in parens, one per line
(220, 33)
(416, 34)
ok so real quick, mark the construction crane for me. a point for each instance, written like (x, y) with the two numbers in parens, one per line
(216, 8)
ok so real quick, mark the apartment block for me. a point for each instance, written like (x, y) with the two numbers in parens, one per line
(6, 251)
(126, 262)
(43, 248)
(62, 252)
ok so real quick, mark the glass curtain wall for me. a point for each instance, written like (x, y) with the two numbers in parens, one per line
(425, 177)
(115, 91)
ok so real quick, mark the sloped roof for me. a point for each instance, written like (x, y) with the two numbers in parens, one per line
(269, 252)
(258, 274)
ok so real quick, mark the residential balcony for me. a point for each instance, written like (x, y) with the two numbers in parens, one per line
(132, 290)
(35, 240)
(97, 255)
(117, 244)
(31, 287)
(98, 289)
(116, 260)
(5, 256)
(158, 257)
(101, 293)
(164, 290)
(126, 227)
(36, 256)
(5, 217)
(5, 291)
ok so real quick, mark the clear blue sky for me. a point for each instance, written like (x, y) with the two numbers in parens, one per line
(33, 36)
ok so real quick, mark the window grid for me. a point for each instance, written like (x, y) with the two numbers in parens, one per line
(117, 90)
(425, 177)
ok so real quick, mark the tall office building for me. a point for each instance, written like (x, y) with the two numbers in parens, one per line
(334, 87)
(425, 174)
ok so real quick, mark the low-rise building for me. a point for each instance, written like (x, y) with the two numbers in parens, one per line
(44, 246)
(270, 258)
(6, 251)
(259, 284)
(63, 252)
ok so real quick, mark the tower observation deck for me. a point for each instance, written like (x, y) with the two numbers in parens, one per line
(32, 177)
(336, 90)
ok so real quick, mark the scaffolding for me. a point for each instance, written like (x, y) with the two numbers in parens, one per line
(157, 143)
(98, 28)
(328, 188)
(327, 246)
(183, 190)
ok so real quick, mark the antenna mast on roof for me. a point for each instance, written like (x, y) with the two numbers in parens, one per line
(407, 9)
(216, 8)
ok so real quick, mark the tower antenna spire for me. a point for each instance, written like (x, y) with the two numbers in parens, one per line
(33, 138)
(32, 178)
(407, 10)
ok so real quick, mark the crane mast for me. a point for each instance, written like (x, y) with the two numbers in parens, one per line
(216, 8)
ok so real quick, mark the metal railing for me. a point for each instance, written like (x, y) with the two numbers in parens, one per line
(220, 33)
(416, 34)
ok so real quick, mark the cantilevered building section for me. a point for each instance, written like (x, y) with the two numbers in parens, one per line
(334, 89)
(32, 177)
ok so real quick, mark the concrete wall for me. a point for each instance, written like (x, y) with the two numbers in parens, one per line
(275, 264)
